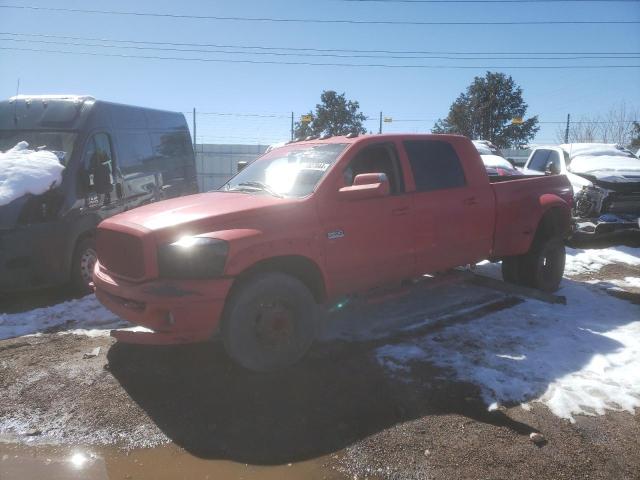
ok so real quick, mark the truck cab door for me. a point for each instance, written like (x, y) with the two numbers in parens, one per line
(369, 241)
(98, 178)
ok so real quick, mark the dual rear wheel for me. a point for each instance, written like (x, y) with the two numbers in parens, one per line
(542, 267)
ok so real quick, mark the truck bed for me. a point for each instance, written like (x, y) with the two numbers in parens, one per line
(517, 198)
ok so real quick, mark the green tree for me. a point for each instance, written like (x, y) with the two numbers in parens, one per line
(334, 115)
(486, 110)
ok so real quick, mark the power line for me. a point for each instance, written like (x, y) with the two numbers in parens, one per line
(289, 54)
(273, 62)
(323, 21)
(491, 1)
(301, 49)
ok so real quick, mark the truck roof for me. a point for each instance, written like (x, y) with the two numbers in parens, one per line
(380, 136)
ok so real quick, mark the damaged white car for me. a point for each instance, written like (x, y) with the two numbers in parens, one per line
(605, 180)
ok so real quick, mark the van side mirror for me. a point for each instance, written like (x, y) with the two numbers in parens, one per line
(366, 185)
(552, 168)
(102, 179)
(242, 164)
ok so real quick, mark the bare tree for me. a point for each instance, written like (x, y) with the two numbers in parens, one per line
(616, 126)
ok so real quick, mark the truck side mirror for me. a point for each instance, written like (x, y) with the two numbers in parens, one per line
(242, 164)
(366, 185)
(552, 168)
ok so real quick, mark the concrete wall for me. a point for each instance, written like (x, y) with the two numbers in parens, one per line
(216, 164)
(519, 155)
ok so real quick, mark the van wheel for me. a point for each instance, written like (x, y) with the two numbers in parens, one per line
(543, 266)
(270, 322)
(84, 259)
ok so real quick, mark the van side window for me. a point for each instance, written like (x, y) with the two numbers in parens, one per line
(136, 151)
(170, 150)
(435, 165)
(381, 158)
(539, 160)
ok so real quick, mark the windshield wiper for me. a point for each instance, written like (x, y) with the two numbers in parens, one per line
(261, 186)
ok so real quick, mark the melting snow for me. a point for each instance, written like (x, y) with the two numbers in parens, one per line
(586, 261)
(85, 316)
(25, 171)
(582, 358)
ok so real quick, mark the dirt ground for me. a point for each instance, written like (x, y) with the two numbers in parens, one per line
(338, 405)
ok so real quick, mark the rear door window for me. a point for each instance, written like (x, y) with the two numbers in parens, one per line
(435, 165)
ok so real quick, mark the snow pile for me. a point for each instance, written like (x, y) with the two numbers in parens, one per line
(593, 149)
(25, 171)
(582, 358)
(588, 261)
(83, 316)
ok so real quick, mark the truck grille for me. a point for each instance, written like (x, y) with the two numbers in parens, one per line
(622, 203)
(121, 253)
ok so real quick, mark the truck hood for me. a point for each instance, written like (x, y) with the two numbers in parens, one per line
(601, 166)
(200, 213)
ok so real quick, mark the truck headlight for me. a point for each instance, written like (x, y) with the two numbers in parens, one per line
(193, 258)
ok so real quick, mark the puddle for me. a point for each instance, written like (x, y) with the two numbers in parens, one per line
(18, 462)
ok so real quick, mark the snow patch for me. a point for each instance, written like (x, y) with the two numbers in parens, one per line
(588, 261)
(24, 171)
(582, 358)
(85, 316)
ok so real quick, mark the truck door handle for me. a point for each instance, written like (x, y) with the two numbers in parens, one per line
(470, 201)
(400, 211)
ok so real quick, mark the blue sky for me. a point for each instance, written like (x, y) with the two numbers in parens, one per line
(267, 89)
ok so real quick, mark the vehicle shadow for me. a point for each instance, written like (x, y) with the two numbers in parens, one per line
(336, 396)
(340, 393)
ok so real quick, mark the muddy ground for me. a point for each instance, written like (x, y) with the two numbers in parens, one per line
(338, 405)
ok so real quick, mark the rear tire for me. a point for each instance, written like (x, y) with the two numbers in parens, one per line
(543, 266)
(269, 322)
(84, 259)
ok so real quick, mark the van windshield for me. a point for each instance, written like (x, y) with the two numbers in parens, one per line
(291, 171)
(59, 142)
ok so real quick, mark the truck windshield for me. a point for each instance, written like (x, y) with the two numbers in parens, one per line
(60, 143)
(291, 171)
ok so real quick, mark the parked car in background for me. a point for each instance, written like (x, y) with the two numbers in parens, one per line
(115, 158)
(605, 180)
(314, 221)
(494, 161)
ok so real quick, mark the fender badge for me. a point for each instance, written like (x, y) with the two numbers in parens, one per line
(335, 234)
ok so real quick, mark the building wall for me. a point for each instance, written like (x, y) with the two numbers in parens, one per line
(216, 164)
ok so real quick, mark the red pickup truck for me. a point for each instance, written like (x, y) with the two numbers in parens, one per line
(311, 222)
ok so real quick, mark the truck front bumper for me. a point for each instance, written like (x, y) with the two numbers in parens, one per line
(173, 311)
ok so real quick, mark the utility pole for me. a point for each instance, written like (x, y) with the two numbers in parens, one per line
(194, 129)
(566, 132)
(292, 126)
(380, 131)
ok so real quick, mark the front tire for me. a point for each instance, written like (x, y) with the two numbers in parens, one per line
(84, 259)
(270, 322)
